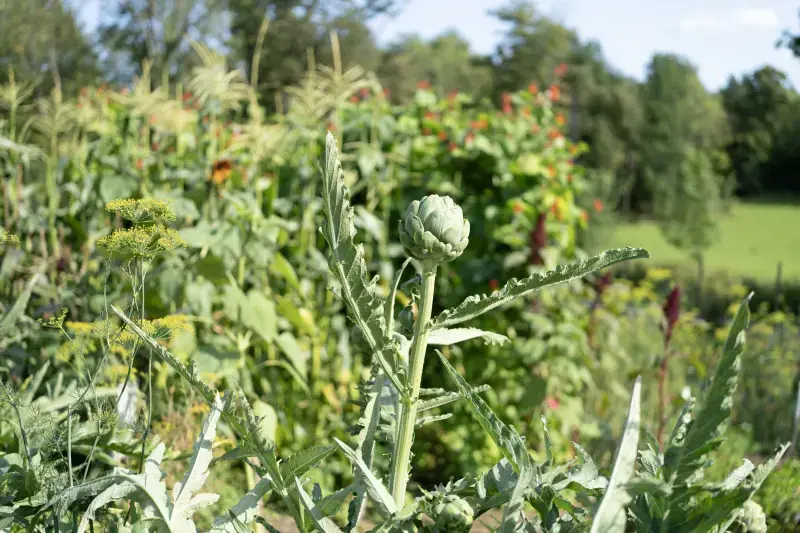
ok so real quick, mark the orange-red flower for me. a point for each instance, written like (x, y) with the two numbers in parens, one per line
(555, 93)
(452, 146)
(469, 138)
(507, 103)
(560, 119)
(424, 84)
(598, 205)
(430, 115)
(221, 171)
(494, 284)
(552, 171)
(364, 92)
(551, 402)
(354, 99)
(533, 88)
(139, 164)
(518, 207)
(442, 135)
(554, 134)
(584, 216)
(561, 70)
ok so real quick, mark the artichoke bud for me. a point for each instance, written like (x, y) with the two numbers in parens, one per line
(452, 515)
(434, 229)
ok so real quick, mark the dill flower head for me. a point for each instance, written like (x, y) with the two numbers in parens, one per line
(144, 241)
(142, 211)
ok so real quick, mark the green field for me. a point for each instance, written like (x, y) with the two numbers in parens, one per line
(754, 237)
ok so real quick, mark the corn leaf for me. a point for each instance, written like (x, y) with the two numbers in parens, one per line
(475, 305)
(611, 514)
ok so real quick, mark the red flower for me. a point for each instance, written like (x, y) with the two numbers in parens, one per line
(452, 147)
(424, 84)
(469, 138)
(442, 136)
(364, 92)
(533, 88)
(554, 134)
(430, 115)
(584, 217)
(139, 164)
(451, 96)
(551, 402)
(598, 205)
(518, 207)
(555, 93)
(187, 96)
(672, 311)
(538, 240)
(561, 70)
(386, 92)
(507, 103)
(494, 284)
(560, 119)
(354, 99)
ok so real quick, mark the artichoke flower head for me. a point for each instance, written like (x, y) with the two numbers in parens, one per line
(434, 229)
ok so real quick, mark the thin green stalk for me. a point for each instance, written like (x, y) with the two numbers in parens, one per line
(408, 415)
(69, 443)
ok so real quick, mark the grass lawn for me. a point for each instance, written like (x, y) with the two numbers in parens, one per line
(754, 237)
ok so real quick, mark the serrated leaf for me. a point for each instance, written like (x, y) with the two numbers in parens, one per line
(448, 337)
(348, 263)
(506, 438)
(324, 524)
(684, 461)
(185, 499)
(477, 305)
(611, 516)
(303, 461)
(245, 510)
(446, 398)
(377, 490)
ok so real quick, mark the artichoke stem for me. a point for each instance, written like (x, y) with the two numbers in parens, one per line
(408, 411)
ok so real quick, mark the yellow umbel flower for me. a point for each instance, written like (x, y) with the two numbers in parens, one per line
(142, 211)
(145, 242)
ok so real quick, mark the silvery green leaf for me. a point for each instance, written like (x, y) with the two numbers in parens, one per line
(684, 458)
(506, 438)
(185, 499)
(324, 524)
(735, 478)
(611, 516)
(303, 461)
(349, 266)
(245, 510)
(445, 398)
(377, 490)
(477, 305)
(447, 337)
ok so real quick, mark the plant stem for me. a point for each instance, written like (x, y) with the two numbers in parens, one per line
(408, 415)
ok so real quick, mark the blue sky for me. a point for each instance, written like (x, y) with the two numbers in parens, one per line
(721, 37)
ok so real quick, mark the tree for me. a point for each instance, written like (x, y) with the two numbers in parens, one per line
(41, 41)
(761, 107)
(159, 31)
(297, 26)
(445, 62)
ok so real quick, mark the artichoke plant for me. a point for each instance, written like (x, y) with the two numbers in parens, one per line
(452, 515)
(434, 229)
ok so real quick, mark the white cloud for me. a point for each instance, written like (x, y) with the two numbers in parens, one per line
(756, 18)
(749, 18)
